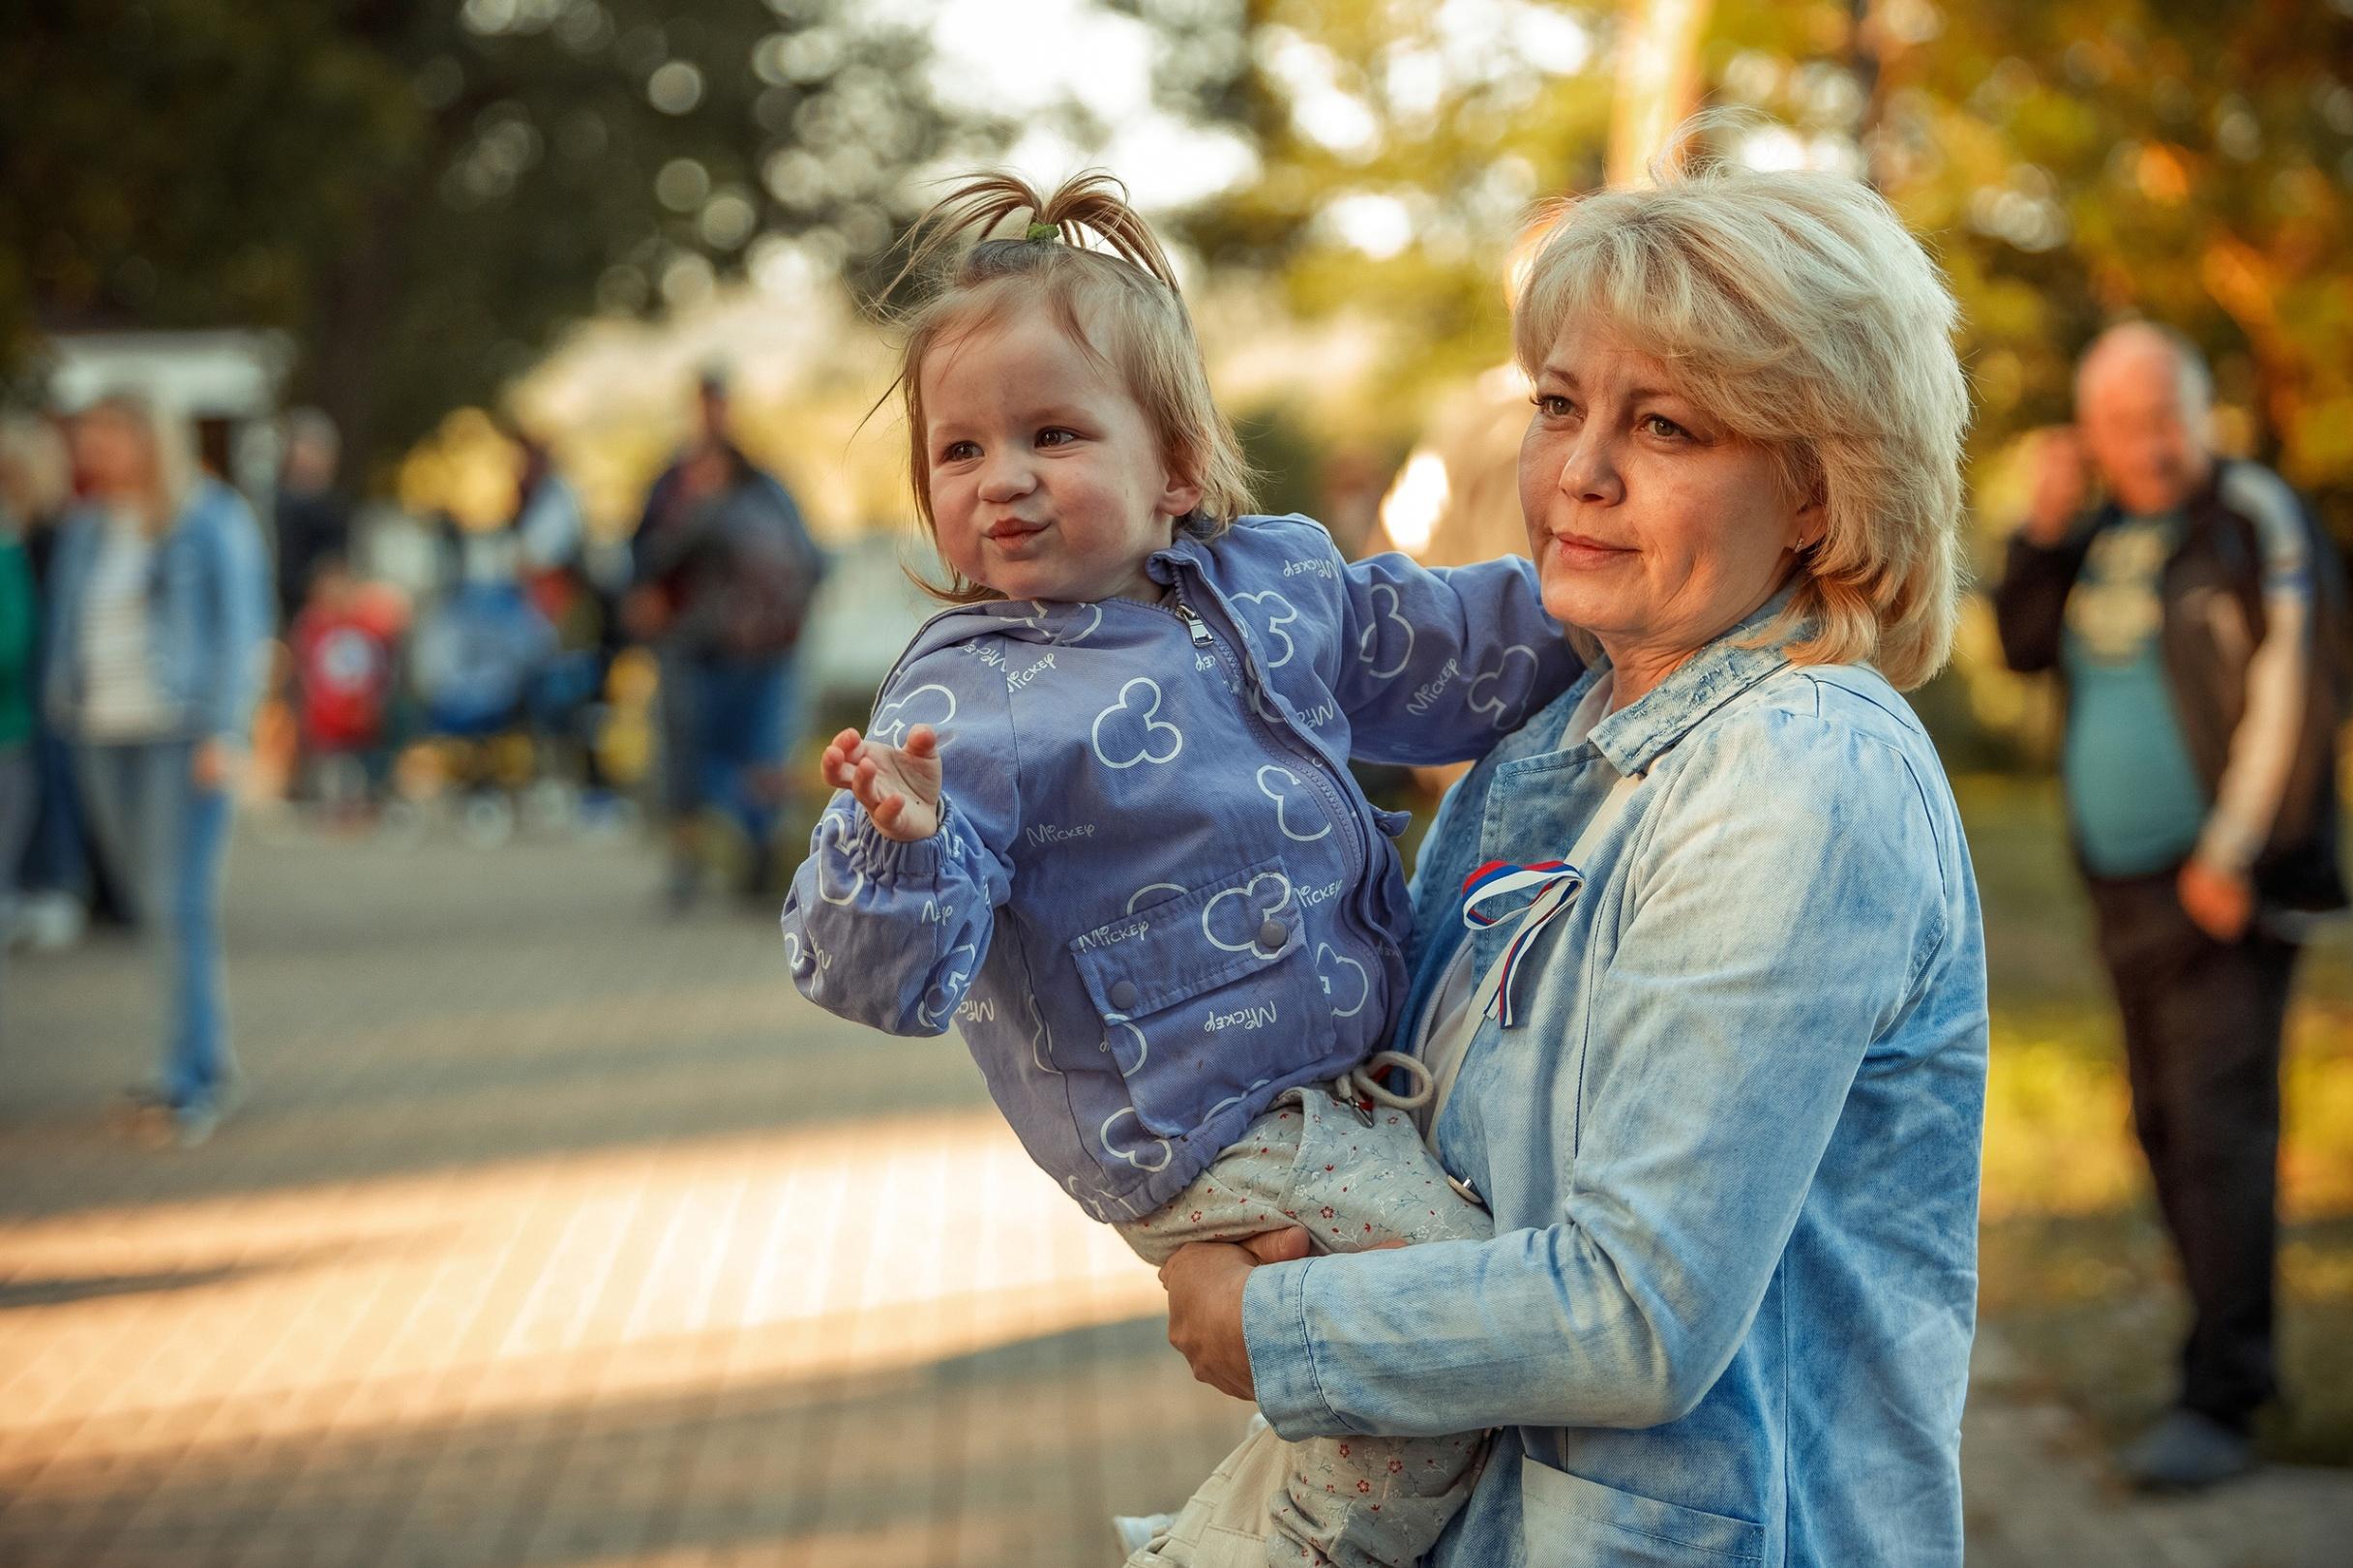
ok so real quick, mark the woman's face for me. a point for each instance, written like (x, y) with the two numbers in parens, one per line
(113, 456)
(1652, 525)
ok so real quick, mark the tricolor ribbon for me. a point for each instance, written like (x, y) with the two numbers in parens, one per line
(1554, 882)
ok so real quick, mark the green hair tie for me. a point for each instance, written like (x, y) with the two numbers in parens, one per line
(1043, 231)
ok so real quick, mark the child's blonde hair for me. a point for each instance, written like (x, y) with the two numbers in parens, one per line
(1119, 306)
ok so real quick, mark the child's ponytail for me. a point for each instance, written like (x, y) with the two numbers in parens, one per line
(1088, 203)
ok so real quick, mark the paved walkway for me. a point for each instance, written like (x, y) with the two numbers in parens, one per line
(558, 1233)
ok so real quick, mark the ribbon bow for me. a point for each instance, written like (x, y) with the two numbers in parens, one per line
(1554, 882)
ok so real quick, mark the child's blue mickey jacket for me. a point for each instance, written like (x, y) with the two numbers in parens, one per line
(1156, 899)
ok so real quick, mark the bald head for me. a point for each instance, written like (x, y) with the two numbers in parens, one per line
(2141, 397)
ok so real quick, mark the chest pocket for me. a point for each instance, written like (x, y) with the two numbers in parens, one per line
(1205, 993)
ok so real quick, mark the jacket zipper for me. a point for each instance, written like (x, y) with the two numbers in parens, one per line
(1254, 691)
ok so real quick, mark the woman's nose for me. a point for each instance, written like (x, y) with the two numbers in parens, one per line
(1588, 475)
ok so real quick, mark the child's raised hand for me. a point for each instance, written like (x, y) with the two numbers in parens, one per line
(898, 785)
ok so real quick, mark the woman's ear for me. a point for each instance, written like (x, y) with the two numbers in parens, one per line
(1810, 524)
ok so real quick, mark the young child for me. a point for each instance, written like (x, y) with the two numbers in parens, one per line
(343, 647)
(1102, 820)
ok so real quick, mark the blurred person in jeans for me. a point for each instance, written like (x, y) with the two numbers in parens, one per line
(157, 642)
(52, 871)
(724, 571)
(2194, 618)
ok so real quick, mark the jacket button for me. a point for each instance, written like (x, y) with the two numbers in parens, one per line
(1123, 995)
(1273, 935)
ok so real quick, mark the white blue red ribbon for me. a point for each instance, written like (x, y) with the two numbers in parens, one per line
(1553, 882)
(1500, 878)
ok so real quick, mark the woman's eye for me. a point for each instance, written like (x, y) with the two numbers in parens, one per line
(1551, 405)
(1056, 436)
(1666, 429)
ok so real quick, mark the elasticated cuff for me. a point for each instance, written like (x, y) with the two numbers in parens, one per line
(890, 860)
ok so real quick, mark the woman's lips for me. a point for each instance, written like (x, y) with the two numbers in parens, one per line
(1578, 550)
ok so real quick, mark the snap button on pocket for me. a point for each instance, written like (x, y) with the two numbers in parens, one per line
(1123, 995)
(1272, 934)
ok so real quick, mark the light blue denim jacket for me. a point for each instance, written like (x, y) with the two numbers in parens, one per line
(1157, 898)
(1732, 1148)
(209, 615)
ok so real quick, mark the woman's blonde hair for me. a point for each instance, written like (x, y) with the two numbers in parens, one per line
(1796, 308)
(171, 450)
(1119, 306)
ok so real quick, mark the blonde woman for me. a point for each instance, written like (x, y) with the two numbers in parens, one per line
(156, 644)
(1722, 1082)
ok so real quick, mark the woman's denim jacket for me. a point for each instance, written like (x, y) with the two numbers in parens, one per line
(208, 620)
(1732, 1147)
(1157, 898)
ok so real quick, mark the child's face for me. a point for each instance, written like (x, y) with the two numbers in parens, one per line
(1047, 480)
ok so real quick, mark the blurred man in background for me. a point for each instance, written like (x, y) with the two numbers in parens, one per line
(723, 575)
(2193, 616)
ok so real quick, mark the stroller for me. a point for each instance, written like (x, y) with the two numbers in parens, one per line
(480, 659)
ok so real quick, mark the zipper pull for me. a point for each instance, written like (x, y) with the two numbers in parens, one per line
(1193, 624)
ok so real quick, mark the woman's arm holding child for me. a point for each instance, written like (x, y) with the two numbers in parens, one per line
(891, 914)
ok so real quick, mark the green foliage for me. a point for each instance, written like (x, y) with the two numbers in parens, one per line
(1284, 456)
(1423, 130)
(2079, 162)
(426, 192)
(2069, 160)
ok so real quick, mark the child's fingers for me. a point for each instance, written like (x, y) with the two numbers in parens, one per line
(888, 811)
(865, 782)
(923, 741)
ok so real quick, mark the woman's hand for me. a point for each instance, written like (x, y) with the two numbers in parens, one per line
(899, 786)
(1204, 1282)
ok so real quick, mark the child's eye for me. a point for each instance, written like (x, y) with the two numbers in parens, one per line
(959, 451)
(1055, 435)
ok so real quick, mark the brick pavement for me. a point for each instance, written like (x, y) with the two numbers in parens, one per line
(557, 1232)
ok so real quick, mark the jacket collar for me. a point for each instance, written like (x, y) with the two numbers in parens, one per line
(1634, 736)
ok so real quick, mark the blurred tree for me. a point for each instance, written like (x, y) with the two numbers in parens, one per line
(1400, 146)
(2077, 161)
(2069, 160)
(1657, 80)
(426, 191)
